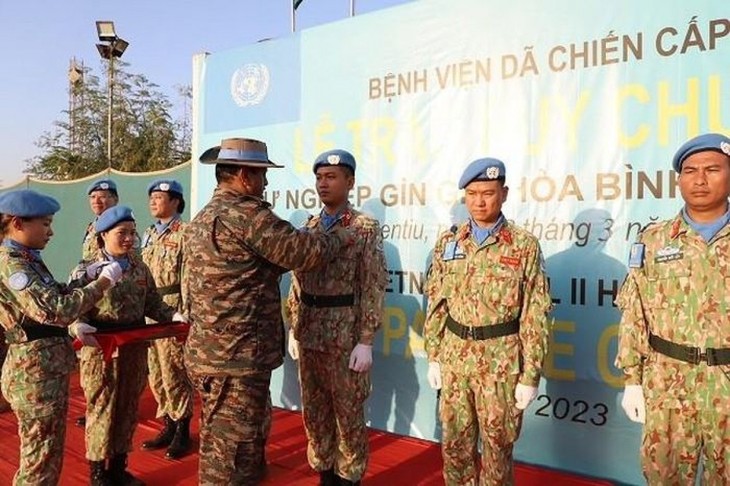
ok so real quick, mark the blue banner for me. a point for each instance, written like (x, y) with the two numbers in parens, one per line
(586, 105)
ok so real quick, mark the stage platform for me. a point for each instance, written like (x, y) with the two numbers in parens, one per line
(395, 460)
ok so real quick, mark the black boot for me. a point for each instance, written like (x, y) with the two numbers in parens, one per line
(164, 437)
(328, 478)
(180, 444)
(118, 474)
(97, 474)
(347, 482)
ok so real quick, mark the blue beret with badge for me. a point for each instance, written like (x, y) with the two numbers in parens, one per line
(26, 203)
(102, 185)
(486, 169)
(334, 158)
(714, 142)
(165, 185)
(112, 217)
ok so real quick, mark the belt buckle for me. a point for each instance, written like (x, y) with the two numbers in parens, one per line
(710, 356)
(697, 356)
(472, 333)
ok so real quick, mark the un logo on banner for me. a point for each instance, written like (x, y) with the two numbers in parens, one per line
(250, 84)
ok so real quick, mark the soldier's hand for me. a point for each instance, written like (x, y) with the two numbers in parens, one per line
(524, 395)
(84, 333)
(112, 272)
(361, 358)
(434, 375)
(93, 270)
(293, 346)
(633, 403)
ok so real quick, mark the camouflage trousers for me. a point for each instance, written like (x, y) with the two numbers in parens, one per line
(675, 441)
(41, 409)
(333, 398)
(168, 379)
(474, 406)
(235, 422)
(112, 392)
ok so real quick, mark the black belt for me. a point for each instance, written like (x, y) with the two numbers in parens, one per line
(170, 289)
(689, 354)
(34, 332)
(344, 300)
(480, 333)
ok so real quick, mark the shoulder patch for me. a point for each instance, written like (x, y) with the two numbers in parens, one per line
(18, 281)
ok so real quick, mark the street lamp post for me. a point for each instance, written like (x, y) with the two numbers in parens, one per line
(111, 46)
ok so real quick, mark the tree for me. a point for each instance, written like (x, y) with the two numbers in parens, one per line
(145, 137)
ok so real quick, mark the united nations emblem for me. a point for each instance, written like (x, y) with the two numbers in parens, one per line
(333, 159)
(725, 147)
(492, 173)
(164, 186)
(250, 84)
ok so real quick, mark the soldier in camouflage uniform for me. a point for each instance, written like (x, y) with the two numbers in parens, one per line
(486, 330)
(102, 195)
(35, 311)
(162, 250)
(112, 389)
(335, 312)
(674, 339)
(236, 250)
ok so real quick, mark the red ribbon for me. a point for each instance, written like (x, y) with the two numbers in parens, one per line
(111, 339)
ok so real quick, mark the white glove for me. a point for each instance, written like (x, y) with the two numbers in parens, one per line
(112, 272)
(434, 375)
(92, 271)
(524, 395)
(361, 358)
(633, 403)
(177, 317)
(83, 332)
(293, 346)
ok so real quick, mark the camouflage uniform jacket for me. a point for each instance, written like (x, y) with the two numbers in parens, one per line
(236, 249)
(132, 299)
(680, 293)
(40, 300)
(501, 280)
(359, 270)
(163, 252)
(89, 247)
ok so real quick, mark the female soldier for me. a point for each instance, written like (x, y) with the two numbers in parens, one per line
(112, 389)
(35, 311)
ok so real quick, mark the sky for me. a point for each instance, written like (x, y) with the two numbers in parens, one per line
(39, 38)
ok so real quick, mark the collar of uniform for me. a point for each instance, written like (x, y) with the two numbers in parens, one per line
(501, 230)
(231, 194)
(171, 225)
(28, 253)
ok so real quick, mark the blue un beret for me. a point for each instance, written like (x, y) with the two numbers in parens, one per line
(165, 185)
(709, 141)
(102, 185)
(112, 217)
(333, 158)
(26, 203)
(487, 169)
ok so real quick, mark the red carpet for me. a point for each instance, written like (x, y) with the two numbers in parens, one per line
(394, 460)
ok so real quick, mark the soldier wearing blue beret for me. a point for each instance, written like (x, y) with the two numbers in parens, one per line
(162, 250)
(36, 313)
(335, 312)
(102, 195)
(112, 389)
(486, 330)
(674, 335)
